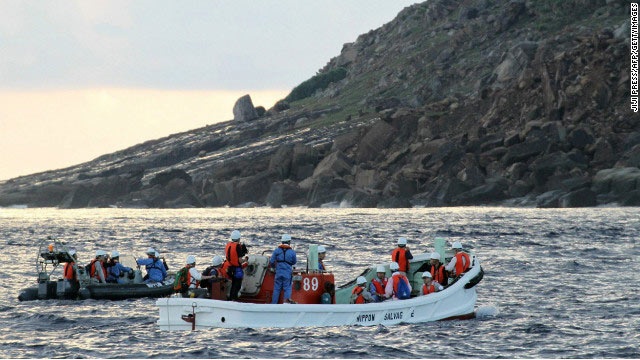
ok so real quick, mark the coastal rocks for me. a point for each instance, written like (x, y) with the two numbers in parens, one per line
(523, 151)
(77, 198)
(165, 177)
(359, 199)
(333, 165)
(493, 191)
(617, 181)
(285, 193)
(243, 109)
(579, 198)
(375, 141)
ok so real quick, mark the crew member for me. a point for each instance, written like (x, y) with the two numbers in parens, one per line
(402, 255)
(156, 271)
(429, 285)
(235, 262)
(283, 259)
(164, 262)
(360, 295)
(378, 283)
(193, 279)
(460, 261)
(69, 268)
(97, 269)
(391, 290)
(116, 269)
(322, 253)
(437, 271)
(214, 270)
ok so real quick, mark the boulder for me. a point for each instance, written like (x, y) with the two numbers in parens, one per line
(512, 140)
(335, 164)
(366, 178)
(375, 141)
(515, 61)
(549, 199)
(345, 141)
(631, 157)
(359, 199)
(494, 190)
(253, 188)
(165, 177)
(603, 153)
(446, 191)
(619, 181)
(578, 198)
(260, 110)
(303, 161)
(517, 170)
(632, 199)
(520, 188)
(224, 193)
(153, 197)
(280, 162)
(523, 151)
(580, 138)
(547, 165)
(285, 193)
(187, 200)
(471, 176)
(325, 190)
(243, 109)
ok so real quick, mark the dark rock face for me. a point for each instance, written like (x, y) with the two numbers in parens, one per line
(79, 197)
(165, 177)
(375, 141)
(285, 193)
(243, 109)
(524, 151)
(579, 198)
(493, 191)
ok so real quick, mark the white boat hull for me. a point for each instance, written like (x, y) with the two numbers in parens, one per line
(455, 301)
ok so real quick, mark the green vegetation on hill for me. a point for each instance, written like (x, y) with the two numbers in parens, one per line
(318, 82)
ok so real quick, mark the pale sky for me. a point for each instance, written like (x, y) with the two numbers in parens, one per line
(79, 79)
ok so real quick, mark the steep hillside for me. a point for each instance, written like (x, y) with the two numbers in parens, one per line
(451, 103)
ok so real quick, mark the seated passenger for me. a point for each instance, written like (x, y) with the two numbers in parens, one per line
(215, 270)
(96, 267)
(116, 270)
(156, 271)
(398, 287)
(429, 285)
(69, 268)
(193, 279)
(437, 271)
(460, 261)
(402, 255)
(378, 283)
(359, 295)
(322, 252)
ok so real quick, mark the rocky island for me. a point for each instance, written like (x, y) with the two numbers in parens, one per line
(453, 102)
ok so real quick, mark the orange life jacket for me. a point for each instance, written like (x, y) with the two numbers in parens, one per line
(438, 275)
(460, 268)
(428, 289)
(93, 272)
(69, 274)
(223, 270)
(231, 250)
(189, 277)
(380, 285)
(399, 255)
(358, 291)
(397, 278)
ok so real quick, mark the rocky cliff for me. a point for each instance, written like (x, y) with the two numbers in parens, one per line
(451, 103)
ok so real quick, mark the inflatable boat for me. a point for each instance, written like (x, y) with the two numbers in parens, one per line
(318, 304)
(53, 253)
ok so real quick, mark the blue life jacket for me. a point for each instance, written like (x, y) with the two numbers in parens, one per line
(283, 258)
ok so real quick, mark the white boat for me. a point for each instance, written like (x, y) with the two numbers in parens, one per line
(456, 301)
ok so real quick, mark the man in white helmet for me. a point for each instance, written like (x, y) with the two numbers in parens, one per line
(359, 294)
(116, 270)
(460, 261)
(402, 255)
(193, 279)
(283, 259)
(69, 271)
(235, 263)
(96, 267)
(429, 286)
(378, 284)
(322, 253)
(398, 284)
(214, 270)
(156, 271)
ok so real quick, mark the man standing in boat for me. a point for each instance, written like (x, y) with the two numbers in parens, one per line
(322, 253)
(402, 255)
(283, 259)
(460, 261)
(235, 263)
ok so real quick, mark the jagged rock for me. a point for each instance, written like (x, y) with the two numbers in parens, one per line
(335, 164)
(579, 198)
(281, 105)
(494, 190)
(325, 190)
(345, 141)
(631, 158)
(575, 183)
(165, 177)
(176, 188)
(547, 165)
(224, 193)
(619, 181)
(516, 171)
(520, 188)
(446, 191)
(554, 131)
(253, 188)
(366, 178)
(580, 138)
(243, 109)
(285, 193)
(523, 151)
(603, 153)
(492, 155)
(632, 199)
(471, 176)
(394, 203)
(303, 161)
(260, 111)
(360, 199)
(515, 61)
(79, 197)
(631, 140)
(154, 196)
(512, 140)
(375, 141)
(491, 142)
(187, 200)
(623, 31)
(549, 199)
(578, 158)
(280, 162)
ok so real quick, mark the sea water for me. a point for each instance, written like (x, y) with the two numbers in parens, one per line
(558, 283)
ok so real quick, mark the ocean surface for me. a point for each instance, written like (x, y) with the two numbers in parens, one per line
(558, 283)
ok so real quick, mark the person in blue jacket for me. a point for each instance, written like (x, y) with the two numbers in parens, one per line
(155, 267)
(115, 269)
(322, 253)
(283, 259)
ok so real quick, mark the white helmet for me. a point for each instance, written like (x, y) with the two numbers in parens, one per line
(156, 254)
(151, 251)
(456, 245)
(235, 235)
(426, 274)
(101, 253)
(402, 241)
(394, 266)
(72, 252)
(361, 280)
(381, 268)
(115, 254)
(285, 238)
(191, 259)
(217, 260)
(435, 255)
(321, 249)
